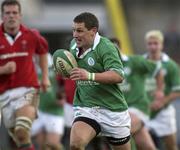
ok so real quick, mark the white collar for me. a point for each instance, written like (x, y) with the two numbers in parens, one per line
(164, 56)
(96, 42)
(124, 57)
(10, 39)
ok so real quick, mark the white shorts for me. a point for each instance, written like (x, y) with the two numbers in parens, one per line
(68, 115)
(112, 124)
(48, 123)
(141, 115)
(164, 123)
(14, 99)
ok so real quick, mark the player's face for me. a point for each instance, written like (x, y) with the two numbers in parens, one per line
(84, 37)
(11, 16)
(154, 45)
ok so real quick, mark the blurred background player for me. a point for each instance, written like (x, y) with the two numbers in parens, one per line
(163, 121)
(69, 89)
(48, 129)
(136, 68)
(99, 104)
(19, 83)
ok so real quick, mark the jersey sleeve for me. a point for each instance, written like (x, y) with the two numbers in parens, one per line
(42, 45)
(174, 75)
(147, 66)
(111, 59)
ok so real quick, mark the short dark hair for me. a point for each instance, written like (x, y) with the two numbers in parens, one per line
(10, 2)
(89, 19)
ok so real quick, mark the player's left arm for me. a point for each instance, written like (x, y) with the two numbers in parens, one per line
(42, 50)
(43, 63)
(113, 67)
(174, 76)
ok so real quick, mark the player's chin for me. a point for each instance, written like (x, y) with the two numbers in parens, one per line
(79, 45)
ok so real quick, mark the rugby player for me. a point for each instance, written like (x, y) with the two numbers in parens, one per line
(48, 129)
(99, 104)
(18, 78)
(136, 68)
(163, 121)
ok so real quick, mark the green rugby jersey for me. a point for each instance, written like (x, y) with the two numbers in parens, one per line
(48, 99)
(101, 57)
(171, 77)
(136, 68)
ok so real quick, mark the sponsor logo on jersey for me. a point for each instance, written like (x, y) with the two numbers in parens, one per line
(91, 61)
(86, 83)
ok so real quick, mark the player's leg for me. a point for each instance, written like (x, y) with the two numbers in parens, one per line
(25, 115)
(164, 125)
(170, 142)
(54, 128)
(115, 127)
(53, 141)
(82, 132)
(39, 140)
(138, 130)
(37, 132)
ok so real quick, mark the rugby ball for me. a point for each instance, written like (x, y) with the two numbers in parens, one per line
(64, 62)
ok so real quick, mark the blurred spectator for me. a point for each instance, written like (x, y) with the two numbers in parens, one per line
(172, 42)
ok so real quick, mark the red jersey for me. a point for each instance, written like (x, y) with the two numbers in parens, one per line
(21, 51)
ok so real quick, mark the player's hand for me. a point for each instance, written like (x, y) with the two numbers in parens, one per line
(10, 67)
(159, 94)
(45, 84)
(61, 102)
(79, 74)
(158, 104)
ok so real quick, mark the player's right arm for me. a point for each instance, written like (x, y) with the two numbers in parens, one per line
(113, 68)
(8, 68)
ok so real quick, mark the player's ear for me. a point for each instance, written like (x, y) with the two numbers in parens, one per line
(94, 30)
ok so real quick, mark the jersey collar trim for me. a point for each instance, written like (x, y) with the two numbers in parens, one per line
(124, 57)
(96, 42)
(164, 57)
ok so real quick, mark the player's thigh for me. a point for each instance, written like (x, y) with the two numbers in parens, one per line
(136, 123)
(143, 140)
(27, 111)
(81, 133)
(126, 146)
(170, 142)
(53, 138)
(29, 106)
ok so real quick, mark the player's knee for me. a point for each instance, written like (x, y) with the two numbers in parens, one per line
(22, 130)
(77, 144)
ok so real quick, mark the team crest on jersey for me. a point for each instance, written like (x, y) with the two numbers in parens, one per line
(91, 61)
(24, 44)
(127, 70)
